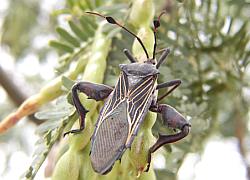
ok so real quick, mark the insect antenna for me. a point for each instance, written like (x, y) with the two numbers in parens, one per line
(113, 21)
(156, 25)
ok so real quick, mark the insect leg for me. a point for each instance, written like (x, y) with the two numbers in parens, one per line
(174, 84)
(173, 119)
(129, 55)
(162, 57)
(93, 91)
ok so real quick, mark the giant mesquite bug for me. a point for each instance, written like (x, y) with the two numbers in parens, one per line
(126, 106)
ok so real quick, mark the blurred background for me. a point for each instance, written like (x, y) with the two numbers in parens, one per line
(210, 43)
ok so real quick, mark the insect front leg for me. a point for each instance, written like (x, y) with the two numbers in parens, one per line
(174, 84)
(129, 55)
(173, 119)
(162, 57)
(93, 91)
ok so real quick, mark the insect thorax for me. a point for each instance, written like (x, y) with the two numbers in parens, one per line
(135, 72)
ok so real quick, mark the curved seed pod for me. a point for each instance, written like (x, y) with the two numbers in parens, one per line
(68, 166)
(126, 167)
(79, 144)
(144, 139)
(48, 93)
(147, 36)
(142, 13)
(148, 176)
(82, 139)
(142, 143)
(94, 72)
(86, 170)
(114, 174)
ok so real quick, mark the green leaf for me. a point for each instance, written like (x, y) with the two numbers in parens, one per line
(52, 114)
(78, 32)
(89, 4)
(67, 36)
(61, 46)
(89, 20)
(39, 141)
(39, 149)
(69, 98)
(48, 137)
(29, 172)
(87, 25)
(67, 83)
(48, 125)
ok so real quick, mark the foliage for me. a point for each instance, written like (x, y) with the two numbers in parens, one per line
(15, 23)
(210, 53)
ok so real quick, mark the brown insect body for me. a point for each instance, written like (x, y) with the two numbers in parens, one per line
(122, 114)
(126, 106)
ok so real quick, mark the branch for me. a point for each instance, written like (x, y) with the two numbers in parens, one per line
(13, 87)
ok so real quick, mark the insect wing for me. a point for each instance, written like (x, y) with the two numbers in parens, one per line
(108, 142)
(119, 121)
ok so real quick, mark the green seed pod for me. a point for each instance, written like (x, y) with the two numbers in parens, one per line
(94, 72)
(86, 171)
(48, 93)
(142, 13)
(126, 168)
(150, 175)
(79, 144)
(142, 143)
(144, 140)
(114, 174)
(147, 36)
(68, 166)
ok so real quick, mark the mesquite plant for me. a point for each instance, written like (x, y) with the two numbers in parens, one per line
(209, 43)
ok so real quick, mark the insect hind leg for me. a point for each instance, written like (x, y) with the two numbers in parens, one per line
(173, 119)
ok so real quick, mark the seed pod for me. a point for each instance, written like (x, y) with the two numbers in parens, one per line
(79, 145)
(142, 143)
(147, 36)
(94, 72)
(68, 166)
(150, 175)
(77, 142)
(144, 139)
(86, 170)
(48, 93)
(142, 13)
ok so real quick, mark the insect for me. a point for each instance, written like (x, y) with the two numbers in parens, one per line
(126, 106)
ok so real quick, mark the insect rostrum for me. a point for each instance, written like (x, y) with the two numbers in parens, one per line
(126, 106)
